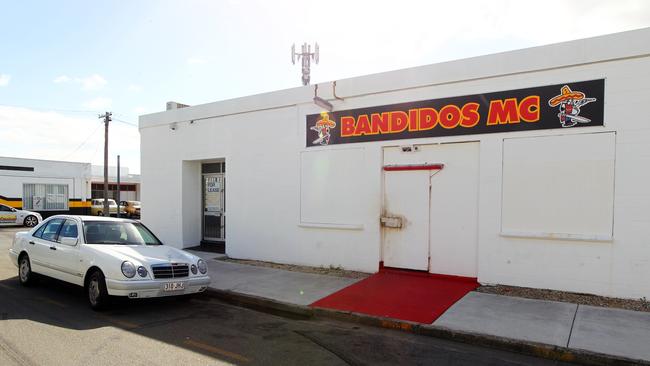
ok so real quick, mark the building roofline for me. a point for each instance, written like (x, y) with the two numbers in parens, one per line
(623, 45)
(47, 160)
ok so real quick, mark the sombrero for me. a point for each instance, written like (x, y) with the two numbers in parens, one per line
(567, 93)
(326, 123)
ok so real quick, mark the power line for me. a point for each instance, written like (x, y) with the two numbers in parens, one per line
(84, 142)
(66, 111)
(95, 152)
(50, 109)
(124, 115)
(125, 122)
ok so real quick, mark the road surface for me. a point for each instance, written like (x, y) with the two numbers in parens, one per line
(51, 324)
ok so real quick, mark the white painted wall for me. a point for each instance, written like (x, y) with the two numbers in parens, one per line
(262, 139)
(191, 203)
(75, 175)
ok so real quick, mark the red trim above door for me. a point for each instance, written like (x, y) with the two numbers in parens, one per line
(395, 168)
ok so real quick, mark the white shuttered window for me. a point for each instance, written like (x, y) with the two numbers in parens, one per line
(45, 197)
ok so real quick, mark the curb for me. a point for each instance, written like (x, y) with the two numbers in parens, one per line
(540, 350)
(263, 304)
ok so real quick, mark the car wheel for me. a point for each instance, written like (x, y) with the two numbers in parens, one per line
(25, 274)
(98, 297)
(30, 221)
(99, 213)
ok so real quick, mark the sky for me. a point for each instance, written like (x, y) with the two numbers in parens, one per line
(62, 63)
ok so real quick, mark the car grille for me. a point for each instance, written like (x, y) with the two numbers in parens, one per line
(172, 270)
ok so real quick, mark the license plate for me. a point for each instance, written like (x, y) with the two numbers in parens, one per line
(173, 286)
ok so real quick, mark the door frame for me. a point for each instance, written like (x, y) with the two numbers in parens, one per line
(221, 213)
(431, 169)
(395, 159)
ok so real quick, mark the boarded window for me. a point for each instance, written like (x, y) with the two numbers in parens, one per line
(331, 187)
(559, 187)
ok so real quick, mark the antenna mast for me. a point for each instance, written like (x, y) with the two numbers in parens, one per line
(306, 56)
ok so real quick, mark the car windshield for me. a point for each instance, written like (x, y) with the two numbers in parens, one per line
(117, 232)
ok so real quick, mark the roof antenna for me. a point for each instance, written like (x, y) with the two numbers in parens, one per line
(307, 56)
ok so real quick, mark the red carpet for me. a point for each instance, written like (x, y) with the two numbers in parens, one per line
(401, 294)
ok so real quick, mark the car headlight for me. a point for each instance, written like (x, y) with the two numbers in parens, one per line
(142, 271)
(193, 268)
(203, 267)
(128, 269)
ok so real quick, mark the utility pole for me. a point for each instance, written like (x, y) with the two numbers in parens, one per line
(107, 118)
(118, 186)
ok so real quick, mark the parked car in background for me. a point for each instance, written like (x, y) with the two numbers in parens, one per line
(97, 207)
(13, 216)
(108, 257)
(131, 208)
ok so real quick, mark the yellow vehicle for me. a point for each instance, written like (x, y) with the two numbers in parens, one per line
(130, 208)
(97, 207)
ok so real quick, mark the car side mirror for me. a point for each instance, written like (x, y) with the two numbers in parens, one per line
(69, 241)
(13, 209)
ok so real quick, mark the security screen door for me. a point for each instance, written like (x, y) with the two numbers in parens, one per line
(214, 202)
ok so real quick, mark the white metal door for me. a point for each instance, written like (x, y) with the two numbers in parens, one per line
(430, 217)
(406, 202)
(454, 209)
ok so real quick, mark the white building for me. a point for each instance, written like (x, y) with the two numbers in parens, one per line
(45, 186)
(524, 168)
(129, 183)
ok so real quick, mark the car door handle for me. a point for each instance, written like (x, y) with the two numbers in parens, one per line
(32, 243)
(53, 248)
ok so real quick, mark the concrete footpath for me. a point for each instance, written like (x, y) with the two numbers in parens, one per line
(555, 330)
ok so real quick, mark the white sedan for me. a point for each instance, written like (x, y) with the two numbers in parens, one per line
(108, 257)
(12, 216)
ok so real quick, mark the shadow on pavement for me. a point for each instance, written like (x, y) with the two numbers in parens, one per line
(181, 321)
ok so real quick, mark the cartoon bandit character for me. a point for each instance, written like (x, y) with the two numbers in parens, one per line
(570, 102)
(323, 128)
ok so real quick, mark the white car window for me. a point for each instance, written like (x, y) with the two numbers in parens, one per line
(51, 230)
(39, 232)
(69, 230)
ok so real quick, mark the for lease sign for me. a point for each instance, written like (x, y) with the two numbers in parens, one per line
(567, 105)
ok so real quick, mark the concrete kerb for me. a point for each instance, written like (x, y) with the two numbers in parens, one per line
(513, 345)
(262, 304)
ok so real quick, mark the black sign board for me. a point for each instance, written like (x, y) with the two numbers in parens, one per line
(570, 105)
